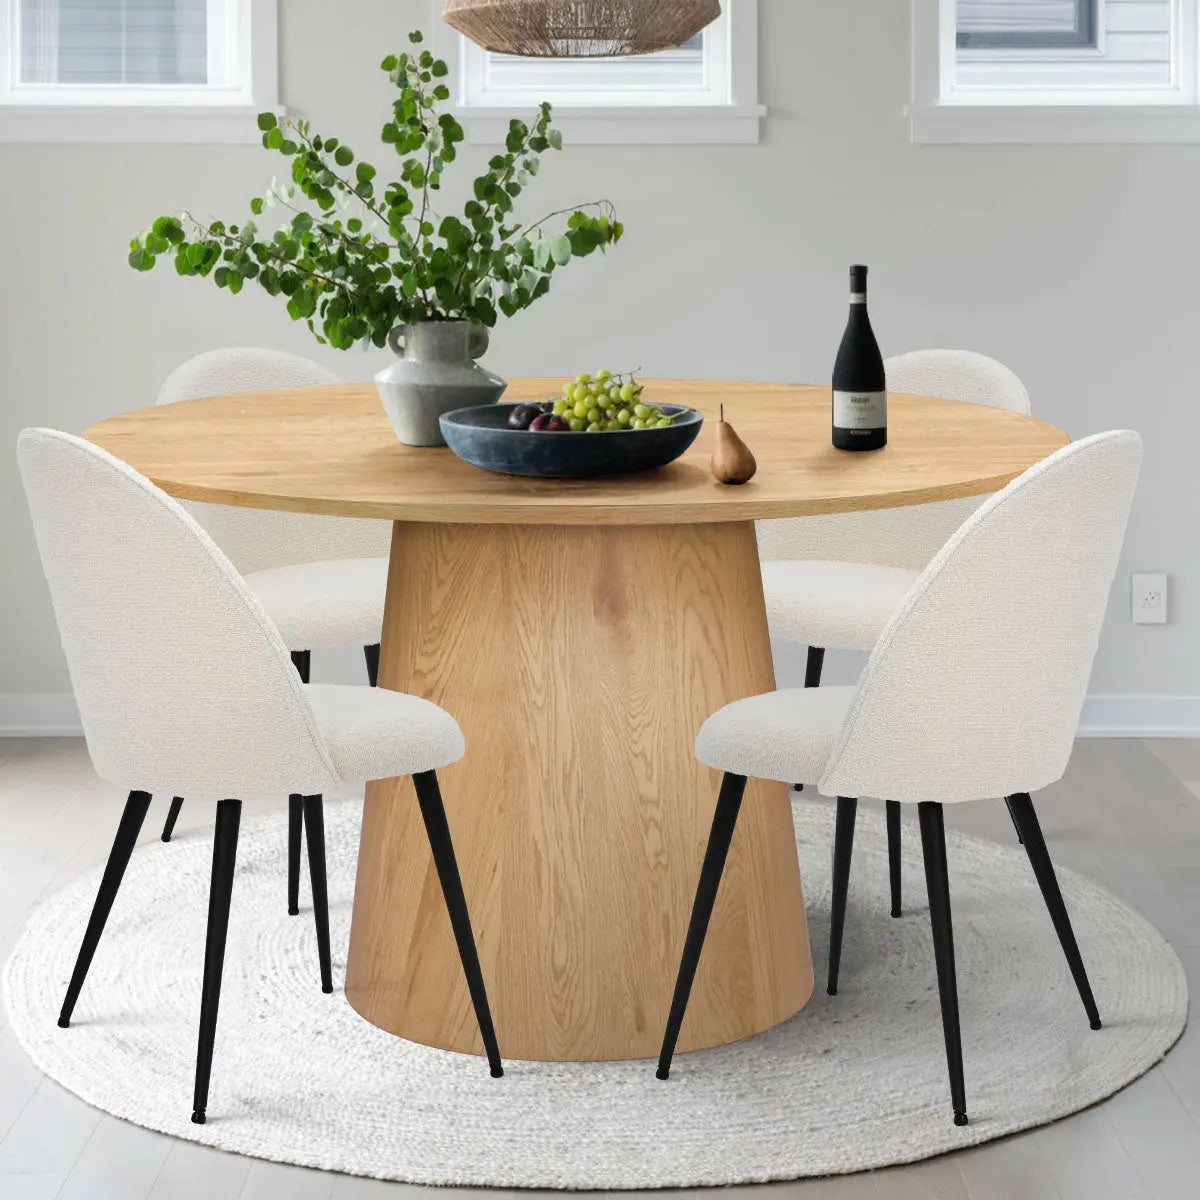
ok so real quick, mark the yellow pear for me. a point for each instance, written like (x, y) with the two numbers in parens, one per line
(732, 461)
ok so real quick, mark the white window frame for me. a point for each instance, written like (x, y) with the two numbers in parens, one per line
(637, 103)
(947, 109)
(245, 58)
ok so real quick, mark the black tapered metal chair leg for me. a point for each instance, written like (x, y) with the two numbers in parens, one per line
(295, 837)
(729, 803)
(894, 848)
(229, 816)
(314, 833)
(136, 806)
(814, 666)
(843, 847)
(172, 817)
(1016, 824)
(937, 881)
(302, 661)
(812, 678)
(1029, 827)
(371, 653)
(433, 813)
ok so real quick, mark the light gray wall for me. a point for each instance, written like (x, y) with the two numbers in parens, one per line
(1076, 265)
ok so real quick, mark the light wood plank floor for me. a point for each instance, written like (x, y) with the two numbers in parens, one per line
(1127, 814)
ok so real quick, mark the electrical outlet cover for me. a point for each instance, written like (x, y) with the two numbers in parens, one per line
(1148, 599)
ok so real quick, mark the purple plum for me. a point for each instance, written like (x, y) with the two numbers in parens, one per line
(523, 416)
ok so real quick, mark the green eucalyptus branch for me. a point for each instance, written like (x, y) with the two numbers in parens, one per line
(350, 285)
(235, 244)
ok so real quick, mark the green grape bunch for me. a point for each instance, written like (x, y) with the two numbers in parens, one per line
(600, 403)
(355, 276)
(606, 402)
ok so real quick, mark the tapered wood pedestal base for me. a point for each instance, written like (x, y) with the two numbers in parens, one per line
(580, 662)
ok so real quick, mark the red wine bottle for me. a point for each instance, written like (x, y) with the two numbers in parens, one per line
(859, 384)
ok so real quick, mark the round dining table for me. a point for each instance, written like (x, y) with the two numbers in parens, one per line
(580, 631)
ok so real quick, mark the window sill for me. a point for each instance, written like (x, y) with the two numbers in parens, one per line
(692, 124)
(1056, 123)
(227, 124)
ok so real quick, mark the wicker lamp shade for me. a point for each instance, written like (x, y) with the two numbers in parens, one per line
(580, 28)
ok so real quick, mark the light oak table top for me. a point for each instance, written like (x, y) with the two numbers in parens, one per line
(330, 450)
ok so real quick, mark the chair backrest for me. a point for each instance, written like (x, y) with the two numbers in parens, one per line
(957, 375)
(902, 537)
(253, 539)
(975, 686)
(183, 684)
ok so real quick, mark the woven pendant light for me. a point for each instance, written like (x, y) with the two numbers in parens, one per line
(580, 28)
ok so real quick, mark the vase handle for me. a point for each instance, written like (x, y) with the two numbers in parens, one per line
(395, 341)
(477, 341)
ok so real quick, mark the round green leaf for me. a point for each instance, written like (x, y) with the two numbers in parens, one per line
(560, 249)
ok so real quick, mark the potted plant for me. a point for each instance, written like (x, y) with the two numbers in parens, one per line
(361, 261)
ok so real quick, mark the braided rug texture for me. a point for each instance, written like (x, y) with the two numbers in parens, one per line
(853, 1082)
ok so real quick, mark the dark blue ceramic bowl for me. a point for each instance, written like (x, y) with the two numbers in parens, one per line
(481, 437)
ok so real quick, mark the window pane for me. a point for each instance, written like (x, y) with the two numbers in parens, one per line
(114, 41)
(1032, 23)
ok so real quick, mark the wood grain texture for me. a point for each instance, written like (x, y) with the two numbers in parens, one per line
(330, 450)
(580, 663)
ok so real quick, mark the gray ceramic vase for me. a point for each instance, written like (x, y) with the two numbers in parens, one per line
(435, 373)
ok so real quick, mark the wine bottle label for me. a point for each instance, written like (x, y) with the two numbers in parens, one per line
(858, 297)
(860, 410)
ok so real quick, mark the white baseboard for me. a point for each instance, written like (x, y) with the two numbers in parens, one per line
(39, 714)
(1140, 716)
(54, 715)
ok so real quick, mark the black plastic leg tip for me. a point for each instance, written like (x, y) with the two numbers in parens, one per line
(293, 912)
(831, 990)
(1096, 1024)
(198, 1117)
(960, 1118)
(897, 913)
(64, 1022)
(662, 1073)
(497, 1072)
(328, 990)
(166, 837)
(797, 787)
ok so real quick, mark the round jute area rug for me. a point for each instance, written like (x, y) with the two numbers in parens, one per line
(852, 1082)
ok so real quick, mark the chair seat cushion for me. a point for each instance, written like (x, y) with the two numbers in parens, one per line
(324, 605)
(373, 733)
(786, 735)
(841, 605)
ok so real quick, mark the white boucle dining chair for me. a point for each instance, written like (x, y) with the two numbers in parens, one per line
(973, 690)
(184, 686)
(321, 579)
(834, 581)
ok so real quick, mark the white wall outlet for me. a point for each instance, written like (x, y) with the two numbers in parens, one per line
(1149, 599)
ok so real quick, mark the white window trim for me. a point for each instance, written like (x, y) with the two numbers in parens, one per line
(104, 113)
(943, 112)
(724, 111)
